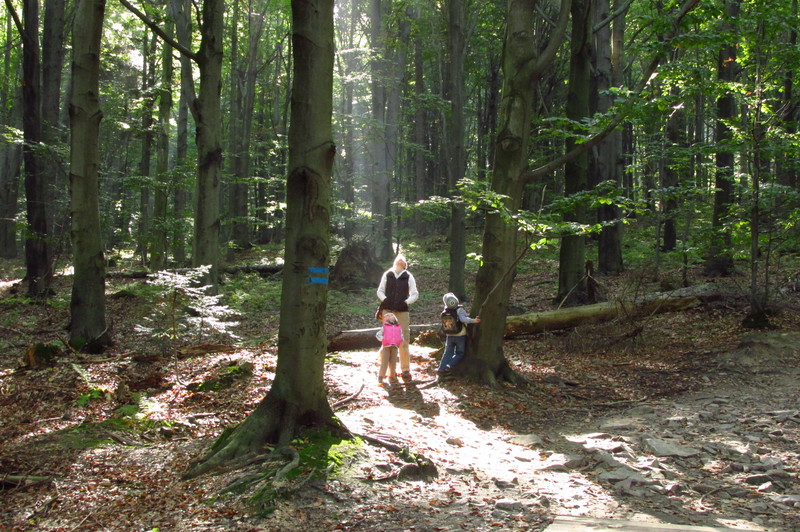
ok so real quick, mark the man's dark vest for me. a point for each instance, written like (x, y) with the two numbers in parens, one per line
(396, 292)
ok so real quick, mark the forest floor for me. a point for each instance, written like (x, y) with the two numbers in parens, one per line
(683, 418)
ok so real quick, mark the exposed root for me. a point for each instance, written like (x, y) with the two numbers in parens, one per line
(346, 400)
(293, 463)
(418, 467)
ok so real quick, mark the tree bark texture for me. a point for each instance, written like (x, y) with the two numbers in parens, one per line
(158, 231)
(88, 328)
(456, 167)
(607, 154)
(572, 288)
(207, 112)
(52, 68)
(522, 66)
(298, 399)
(179, 10)
(37, 246)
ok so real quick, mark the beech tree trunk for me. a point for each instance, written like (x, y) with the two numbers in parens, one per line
(572, 286)
(607, 74)
(179, 9)
(720, 256)
(207, 112)
(456, 166)
(10, 161)
(298, 399)
(52, 133)
(37, 242)
(158, 232)
(522, 66)
(87, 326)
(146, 129)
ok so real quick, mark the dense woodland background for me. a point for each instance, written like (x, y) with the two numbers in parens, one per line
(658, 135)
(158, 157)
(702, 97)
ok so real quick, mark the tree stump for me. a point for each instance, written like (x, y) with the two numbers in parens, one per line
(356, 267)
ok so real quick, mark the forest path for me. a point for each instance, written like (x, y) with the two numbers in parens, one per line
(724, 455)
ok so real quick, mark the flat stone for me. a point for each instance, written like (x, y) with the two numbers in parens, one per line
(661, 447)
(579, 524)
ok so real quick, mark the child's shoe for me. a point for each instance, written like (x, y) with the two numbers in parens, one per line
(380, 381)
(393, 379)
(406, 375)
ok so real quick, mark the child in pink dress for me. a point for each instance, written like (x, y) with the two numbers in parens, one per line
(391, 336)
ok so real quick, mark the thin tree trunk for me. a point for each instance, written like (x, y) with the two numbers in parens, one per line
(180, 12)
(572, 287)
(158, 239)
(456, 166)
(608, 59)
(10, 156)
(720, 256)
(148, 101)
(37, 242)
(10, 159)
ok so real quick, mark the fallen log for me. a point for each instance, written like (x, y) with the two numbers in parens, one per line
(538, 322)
(261, 269)
(358, 339)
(564, 318)
(17, 481)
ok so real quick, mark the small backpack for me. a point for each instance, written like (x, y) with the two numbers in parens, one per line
(450, 322)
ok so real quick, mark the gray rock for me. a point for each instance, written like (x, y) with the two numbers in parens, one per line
(508, 505)
(662, 448)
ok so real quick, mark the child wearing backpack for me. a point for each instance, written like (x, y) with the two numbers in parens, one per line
(391, 336)
(453, 319)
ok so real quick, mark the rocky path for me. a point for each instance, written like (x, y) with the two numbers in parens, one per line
(724, 456)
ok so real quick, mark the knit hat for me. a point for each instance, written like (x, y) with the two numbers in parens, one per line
(450, 300)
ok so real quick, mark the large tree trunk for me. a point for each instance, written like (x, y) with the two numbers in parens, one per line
(522, 67)
(297, 399)
(87, 327)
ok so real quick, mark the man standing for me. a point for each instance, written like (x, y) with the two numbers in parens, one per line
(397, 290)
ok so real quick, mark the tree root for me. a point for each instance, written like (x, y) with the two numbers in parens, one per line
(293, 463)
(346, 400)
(419, 467)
